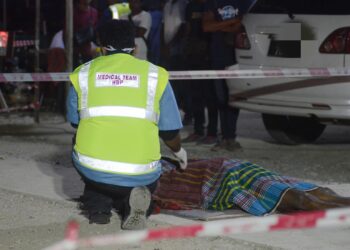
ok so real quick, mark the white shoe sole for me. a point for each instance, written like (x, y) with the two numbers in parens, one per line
(139, 201)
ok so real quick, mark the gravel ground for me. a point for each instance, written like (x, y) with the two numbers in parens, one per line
(32, 222)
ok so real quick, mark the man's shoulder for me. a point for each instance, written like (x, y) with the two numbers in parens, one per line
(162, 70)
(143, 15)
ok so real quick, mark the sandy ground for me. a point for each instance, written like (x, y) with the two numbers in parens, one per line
(37, 183)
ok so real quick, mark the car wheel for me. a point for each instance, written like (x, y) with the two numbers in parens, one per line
(292, 130)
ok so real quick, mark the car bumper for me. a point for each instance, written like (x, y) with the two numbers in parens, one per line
(334, 112)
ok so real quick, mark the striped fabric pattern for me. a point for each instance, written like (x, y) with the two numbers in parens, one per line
(220, 184)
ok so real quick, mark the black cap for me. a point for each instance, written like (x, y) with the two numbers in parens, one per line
(119, 34)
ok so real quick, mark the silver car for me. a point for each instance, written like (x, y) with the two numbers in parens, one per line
(295, 34)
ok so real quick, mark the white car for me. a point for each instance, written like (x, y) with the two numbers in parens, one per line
(295, 34)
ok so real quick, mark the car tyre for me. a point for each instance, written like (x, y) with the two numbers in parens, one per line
(292, 130)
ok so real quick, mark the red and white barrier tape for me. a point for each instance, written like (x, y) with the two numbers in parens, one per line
(70, 238)
(198, 74)
(306, 220)
(34, 77)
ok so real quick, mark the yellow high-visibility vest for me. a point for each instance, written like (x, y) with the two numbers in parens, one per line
(118, 103)
(119, 9)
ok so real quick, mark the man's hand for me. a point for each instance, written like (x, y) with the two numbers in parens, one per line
(233, 25)
(181, 156)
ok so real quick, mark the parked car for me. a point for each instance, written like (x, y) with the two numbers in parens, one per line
(295, 34)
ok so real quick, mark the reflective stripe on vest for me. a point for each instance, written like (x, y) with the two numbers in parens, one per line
(120, 111)
(119, 10)
(114, 9)
(116, 167)
(83, 84)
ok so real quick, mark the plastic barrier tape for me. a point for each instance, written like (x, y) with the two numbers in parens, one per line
(199, 74)
(305, 220)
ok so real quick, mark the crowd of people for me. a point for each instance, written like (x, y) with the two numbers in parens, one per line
(177, 35)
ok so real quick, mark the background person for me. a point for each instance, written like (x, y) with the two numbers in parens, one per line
(85, 19)
(142, 21)
(222, 20)
(155, 8)
(116, 9)
(200, 91)
(56, 62)
(172, 45)
(122, 105)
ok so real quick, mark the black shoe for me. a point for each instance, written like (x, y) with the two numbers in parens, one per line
(193, 138)
(99, 218)
(139, 202)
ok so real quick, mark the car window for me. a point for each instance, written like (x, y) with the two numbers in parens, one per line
(315, 7)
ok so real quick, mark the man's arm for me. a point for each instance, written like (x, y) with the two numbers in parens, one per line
(146, 24)
(140, 31)
(170, 119)
(72, 107)
(170, 124)
(210, 24)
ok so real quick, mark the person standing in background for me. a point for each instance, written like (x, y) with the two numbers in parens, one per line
(142, 21)
(200, 91)
(116, 9)
(172, 44)
(155, 8)
(85, 19)
(56, 62)
(222, 20)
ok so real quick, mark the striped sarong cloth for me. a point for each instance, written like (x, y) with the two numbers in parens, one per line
(219, 184)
